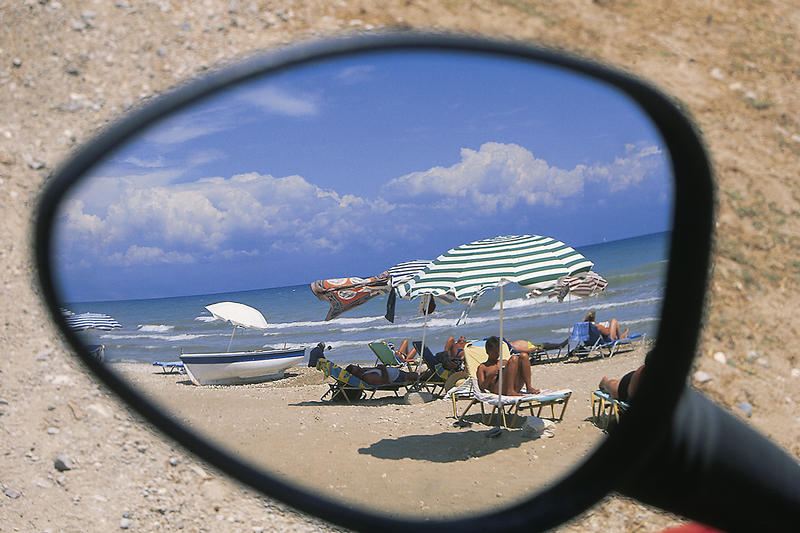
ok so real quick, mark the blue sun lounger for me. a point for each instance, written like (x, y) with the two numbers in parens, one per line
(604, 404)
(171, 366)
(439, 375)
(585, 339)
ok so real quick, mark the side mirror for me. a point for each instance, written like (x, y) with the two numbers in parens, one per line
(343, 159)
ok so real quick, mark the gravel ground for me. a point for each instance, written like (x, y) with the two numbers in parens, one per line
(74, 459)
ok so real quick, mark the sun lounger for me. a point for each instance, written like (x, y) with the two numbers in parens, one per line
(604, 406)
(475, 354)
(171, 366)
(585, 340)
(439, 375)
(345, 381)
(385, 355)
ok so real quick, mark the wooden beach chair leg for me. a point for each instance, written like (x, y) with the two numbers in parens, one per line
(564, 409)
(473, 402)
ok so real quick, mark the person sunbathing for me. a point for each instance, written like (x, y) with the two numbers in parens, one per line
(610, 330)
(381, 374)
(403, 354)
(622, 389)
(528, 347)
(452, 356)
(516, 371)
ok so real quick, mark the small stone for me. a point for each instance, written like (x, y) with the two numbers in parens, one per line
(174, 461)
(763, 361)
(52, 431)
(125, 523)
(720, 358)
(415, 398)
(11, 493)
(746, 408)
(701, 377)
(796, 372)
(751, 356)
(42, 483)
(17, 62)
(717, 74)
(63, 462)
(35, 164)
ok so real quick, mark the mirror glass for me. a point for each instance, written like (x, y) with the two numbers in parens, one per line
(345, 168)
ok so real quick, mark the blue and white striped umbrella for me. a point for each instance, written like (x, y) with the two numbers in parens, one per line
(86, 321)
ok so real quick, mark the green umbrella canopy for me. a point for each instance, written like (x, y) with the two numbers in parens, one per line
(471, 269)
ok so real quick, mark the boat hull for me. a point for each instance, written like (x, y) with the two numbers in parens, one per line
(235, 368)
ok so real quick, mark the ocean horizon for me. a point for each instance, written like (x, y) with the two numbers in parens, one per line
(158, 329)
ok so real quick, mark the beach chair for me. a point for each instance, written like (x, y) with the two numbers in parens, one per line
(585, 340)
(439, 375)
(170, 367)
(475, 354)
(540, 355)
(385, 354)
(345, 381)
(603, 407)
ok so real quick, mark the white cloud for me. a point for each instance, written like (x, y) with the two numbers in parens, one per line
(245, 215)
(355, 74)
(148, 255)
(131, 221)
(502, 176)
(183, 129)
(154, 163)
(626, 171)
(282, 102)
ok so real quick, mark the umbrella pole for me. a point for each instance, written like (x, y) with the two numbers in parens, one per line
(500, 370)
(426, 306)
(231, 341)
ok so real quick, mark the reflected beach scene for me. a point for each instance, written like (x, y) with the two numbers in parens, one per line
(327, 176)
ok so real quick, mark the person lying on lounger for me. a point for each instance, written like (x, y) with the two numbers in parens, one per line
(622, 389)
(516, 371)
(381, 374)
(403, 354)
(610, 330)
(528, 347)
(452, 356)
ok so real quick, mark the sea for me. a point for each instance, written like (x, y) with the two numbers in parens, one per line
(159, 329)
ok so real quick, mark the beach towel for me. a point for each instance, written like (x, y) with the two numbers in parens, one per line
(344, 294)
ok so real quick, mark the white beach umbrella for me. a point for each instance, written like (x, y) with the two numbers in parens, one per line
(240, 315)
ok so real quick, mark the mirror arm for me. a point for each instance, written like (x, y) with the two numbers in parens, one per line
(704, 469)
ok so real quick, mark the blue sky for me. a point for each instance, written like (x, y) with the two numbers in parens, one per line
(350, 166)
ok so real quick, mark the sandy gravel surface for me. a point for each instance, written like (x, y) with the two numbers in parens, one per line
(380, 452)
(67, 68)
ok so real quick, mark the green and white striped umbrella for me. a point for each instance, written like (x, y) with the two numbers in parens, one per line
(470, 270)
(466, 272)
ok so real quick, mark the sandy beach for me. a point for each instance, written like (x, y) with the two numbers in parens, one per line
(383, 453)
